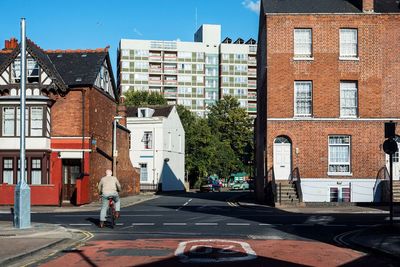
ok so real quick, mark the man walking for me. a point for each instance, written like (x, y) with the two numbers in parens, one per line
(109, 186)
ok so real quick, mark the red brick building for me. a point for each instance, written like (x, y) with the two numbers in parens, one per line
(328, 80)
(71, 103)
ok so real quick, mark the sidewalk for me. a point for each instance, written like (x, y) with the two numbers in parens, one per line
(19, 245)
(94, 206)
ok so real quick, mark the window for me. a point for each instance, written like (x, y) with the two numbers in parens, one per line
(141, 53)
(8, 119)
(184, 54)
(225, 56)
(199, 67)
(26, 121)
(348, 99)
(32, 70)
(36, 171)
(19, 169)
(339, 154)
(199, 79)
(240, 56)
(141, 77)
(125, 64)
(125, 52)
(8, 171)
(200, 103)
(240, 68)
(143, 172)
(348, 43)
(148, 140)
(225, 91)
(302, 43)
(303, 98)
(141, 65)
(339, 194)
(185, 79)
(36, 121)
(200, 55)
(125, 76)
(199, 91)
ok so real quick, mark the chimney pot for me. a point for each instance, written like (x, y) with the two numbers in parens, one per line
(11, 44)
(368, 6)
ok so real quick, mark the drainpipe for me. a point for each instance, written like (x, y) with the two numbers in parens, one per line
(83, 133)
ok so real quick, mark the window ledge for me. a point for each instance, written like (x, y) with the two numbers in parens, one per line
(339, 174)
(303, 58)
(302, 117)
(349, 58)
(348, 117)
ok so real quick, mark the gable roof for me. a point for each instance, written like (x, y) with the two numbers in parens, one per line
(159, 111)
(68, 68)
(327, 6)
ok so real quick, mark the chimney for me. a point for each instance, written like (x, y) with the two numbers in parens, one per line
(122, 111)
(11, 44)
(368, 6)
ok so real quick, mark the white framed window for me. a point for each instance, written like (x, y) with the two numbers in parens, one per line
(303, 98)
(26, 122)
(200, 103)
(225, 79)
(185, 55)
(339, 155)
(36, 121)
(143, 172)
(348, 99)
(339, 194)
(141, 77)
(141, 53)
(125, 64)
(200, 55)
(199, 79)
(36, 171)
(199, 67)
(225, 56)
(125, 53)
(125, 76)
(302, 43)
(199, 91)
(225, 91)
(348, 43)
(8, 121)
(148, 140)
(8, 171)
(185, 78)
(240, 68)
(141, 65)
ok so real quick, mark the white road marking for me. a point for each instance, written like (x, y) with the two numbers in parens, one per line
(80, 224)
(142, 224)
(265, 224)
(237, 224)
(186, 203)
(174, 223)
(229, 245)
(206, 223)
(119, 224)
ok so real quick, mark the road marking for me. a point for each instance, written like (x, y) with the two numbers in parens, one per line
(142, 224)
(206, 223)
(265, 224)
(186, 203)
(122, 215)
(232, 204)
(394, 218)
(339, 238)
(188, 252)
(119, 224)
(336, 225)
(174, 223)
(80, 224)
(237, 224)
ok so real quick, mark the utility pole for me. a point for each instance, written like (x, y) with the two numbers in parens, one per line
(22, 197)
(390, 147)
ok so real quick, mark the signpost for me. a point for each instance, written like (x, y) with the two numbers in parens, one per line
(22, 197)
(390, 147)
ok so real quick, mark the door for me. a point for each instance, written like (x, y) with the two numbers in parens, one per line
(396, 163)
(282, 158)
(71, 171)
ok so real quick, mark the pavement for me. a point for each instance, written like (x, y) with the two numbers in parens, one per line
(20, 246)
(380, 239)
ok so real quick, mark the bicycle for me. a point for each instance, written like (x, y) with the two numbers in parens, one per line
(111, 211)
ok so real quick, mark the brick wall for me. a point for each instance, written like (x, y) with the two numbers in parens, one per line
(377, 72)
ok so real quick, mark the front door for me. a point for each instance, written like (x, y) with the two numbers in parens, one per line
(396, 163)
(282, 158)
(71, 171)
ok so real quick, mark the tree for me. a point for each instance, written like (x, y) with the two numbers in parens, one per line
(234, 126)
(143, 98)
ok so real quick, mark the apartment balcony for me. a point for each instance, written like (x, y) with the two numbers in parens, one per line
(252, 83)
(170, 57)
(155, 70)
(252, 61)
(170, 82)
(170, 70)
(155, 81)
(155, 58)
(252, 73)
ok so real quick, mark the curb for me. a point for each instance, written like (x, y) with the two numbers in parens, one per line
(370, 249)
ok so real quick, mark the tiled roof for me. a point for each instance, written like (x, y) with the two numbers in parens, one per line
(327, 6)
(159, 111)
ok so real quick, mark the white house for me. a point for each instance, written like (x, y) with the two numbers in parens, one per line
(157, 147)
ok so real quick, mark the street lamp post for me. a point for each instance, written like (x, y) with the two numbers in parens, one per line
(115, 150)
(22, 200)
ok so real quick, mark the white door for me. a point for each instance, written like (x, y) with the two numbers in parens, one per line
(282, 158)
(396, 163)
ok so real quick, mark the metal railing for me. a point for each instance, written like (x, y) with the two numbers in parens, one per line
(295, 179)
(148, 187)
(270, 187)
(382, 179)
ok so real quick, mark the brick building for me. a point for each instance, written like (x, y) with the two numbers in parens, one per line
(328, 80)
(71, 103)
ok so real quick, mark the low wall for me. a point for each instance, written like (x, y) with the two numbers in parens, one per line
(40, 194)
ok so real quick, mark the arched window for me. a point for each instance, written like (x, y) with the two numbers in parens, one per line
(282, 140)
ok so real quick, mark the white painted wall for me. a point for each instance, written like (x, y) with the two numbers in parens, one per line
(171, 172)
(318, 190)
(37, 143)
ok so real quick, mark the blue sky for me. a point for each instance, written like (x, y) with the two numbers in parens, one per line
(73, 24)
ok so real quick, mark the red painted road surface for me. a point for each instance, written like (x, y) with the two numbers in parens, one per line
(210, 252)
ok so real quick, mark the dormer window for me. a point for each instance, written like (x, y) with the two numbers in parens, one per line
(145, 112)
(32, 73)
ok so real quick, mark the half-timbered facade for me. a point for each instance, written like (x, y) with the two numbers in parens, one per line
(71, 101)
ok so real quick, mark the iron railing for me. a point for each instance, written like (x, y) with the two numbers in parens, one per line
(295, 180)
(270, 189)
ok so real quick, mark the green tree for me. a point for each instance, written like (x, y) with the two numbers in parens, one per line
(234, 126)
(143, 98)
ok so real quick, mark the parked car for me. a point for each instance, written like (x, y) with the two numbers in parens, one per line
(211, 185)
(240, 185)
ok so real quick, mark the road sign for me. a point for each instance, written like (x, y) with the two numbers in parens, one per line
(390, 129)
(214, 251)
(390, 146)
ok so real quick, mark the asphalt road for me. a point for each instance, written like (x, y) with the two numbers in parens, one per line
(211, 228)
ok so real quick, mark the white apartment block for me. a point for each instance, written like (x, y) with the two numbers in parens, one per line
(191, 73)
